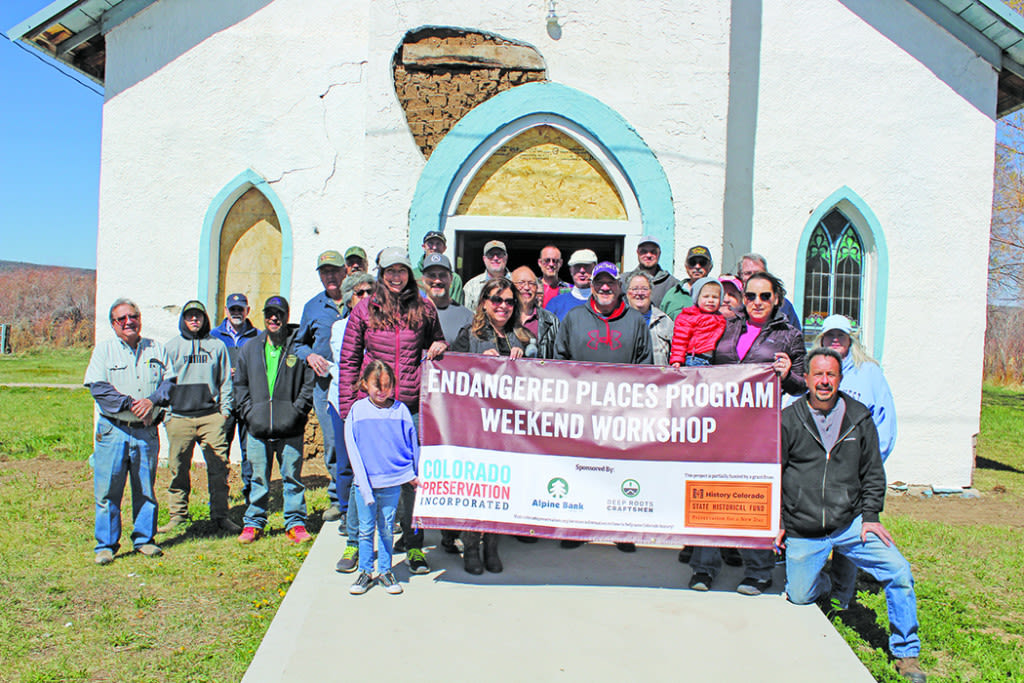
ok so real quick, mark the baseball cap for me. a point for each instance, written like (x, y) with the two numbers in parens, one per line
(837, 322)
(437, 260)
(277, 303)
(495, 244)
(582, 256)
(330, 258)
(649, 239)
(236, 299)
(606, 267)
(435, 234)
(700, 252)
(391, 256)
(193, 306)
(355, 251)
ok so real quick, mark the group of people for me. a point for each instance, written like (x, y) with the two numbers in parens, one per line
(355, 359)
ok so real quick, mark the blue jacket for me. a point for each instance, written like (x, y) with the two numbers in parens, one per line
(565, 302)
(867, 384)
(314, 335)
(223, 332)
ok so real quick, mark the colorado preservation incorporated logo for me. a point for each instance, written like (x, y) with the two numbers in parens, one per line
(630, 488)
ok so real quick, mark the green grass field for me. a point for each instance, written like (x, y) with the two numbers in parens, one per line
(199, 613)
(45, 366)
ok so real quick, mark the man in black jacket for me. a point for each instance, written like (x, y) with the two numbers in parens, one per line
(833, 489)
(274, 393)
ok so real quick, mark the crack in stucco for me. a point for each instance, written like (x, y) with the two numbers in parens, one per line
(289, 172)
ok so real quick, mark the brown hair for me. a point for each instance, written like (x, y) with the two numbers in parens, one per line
(481, 325)
(374, 369)
(388, 310)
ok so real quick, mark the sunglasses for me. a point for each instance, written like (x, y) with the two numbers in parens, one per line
(272, 315)
(125, 318)
(362, 292)
(550, 260)
(752, 296)
(697, 263)
(497, 300)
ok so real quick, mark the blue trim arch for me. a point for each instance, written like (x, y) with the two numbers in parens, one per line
(638, 164)
(209, 240)
(870, 229)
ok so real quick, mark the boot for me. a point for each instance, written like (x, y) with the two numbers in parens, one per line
(491, 560)
(471, 552)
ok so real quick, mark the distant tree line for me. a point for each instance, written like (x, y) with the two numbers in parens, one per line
(47, 305)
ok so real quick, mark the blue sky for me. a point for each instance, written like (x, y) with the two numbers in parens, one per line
(49, 155)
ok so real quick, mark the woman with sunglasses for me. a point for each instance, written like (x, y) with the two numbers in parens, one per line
(395, 325)
(496, 330)
(759, 333)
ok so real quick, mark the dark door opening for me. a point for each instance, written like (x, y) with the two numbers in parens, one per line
(524, 249)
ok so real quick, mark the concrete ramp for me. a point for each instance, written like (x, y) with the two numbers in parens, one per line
(591, 613)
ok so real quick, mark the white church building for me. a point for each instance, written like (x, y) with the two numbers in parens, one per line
(851, 142)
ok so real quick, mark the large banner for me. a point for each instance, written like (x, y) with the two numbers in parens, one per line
(600, 452)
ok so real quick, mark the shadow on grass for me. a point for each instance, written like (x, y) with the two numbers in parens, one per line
(205, 528)
(1006, 400)
(986, 464)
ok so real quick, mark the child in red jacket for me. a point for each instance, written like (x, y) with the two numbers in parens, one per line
(698, 327)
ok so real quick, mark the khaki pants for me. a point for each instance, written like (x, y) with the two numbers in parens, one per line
(182, 434)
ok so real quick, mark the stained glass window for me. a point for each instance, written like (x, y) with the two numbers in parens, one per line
(835, 273)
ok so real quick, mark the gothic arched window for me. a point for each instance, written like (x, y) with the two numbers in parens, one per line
(834, 280)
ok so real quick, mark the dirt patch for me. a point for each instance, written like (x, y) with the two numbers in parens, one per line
(991, 509)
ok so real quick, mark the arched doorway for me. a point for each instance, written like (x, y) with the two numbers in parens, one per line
(246, 245)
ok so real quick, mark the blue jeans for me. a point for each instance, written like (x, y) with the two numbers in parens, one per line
(805, 581)
(122, 453)
(289, 459)
(757, 564)
(695, 361)
(320, 405)
(380, 514)
(342, 471)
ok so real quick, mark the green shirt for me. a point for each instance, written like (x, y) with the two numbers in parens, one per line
(272, 354)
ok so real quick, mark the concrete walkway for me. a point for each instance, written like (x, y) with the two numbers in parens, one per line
(589, 614)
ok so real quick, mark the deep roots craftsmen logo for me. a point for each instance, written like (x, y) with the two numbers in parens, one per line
(558, 488)
(630, 488)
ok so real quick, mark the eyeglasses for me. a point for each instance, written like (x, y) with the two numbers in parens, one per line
(697, 263)
(125, 318)
(639, 290)
(752, 296)
(744, 274)
(495, 255)
(525, 283)
(550, 260)
(497, 301)
(272, 315)
(362, 292)
(582, 266)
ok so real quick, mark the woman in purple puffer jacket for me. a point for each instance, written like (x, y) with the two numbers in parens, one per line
(397, 326)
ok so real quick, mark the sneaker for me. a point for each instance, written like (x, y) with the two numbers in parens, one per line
(103, 557)
(450, 542)
(298, 534)
(390, 583)
(249, 534)
(626, 547)
(700, 581)
(908, 667)
(150, 550)
(417, 562)
(362, 584)
(332, 514)
(349, 560)
(750, 586)
(570, 544)
(172, 523)
(228, 525)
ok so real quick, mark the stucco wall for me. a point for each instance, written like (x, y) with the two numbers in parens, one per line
(301, 92)
(907, 127)
(863, 94)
